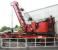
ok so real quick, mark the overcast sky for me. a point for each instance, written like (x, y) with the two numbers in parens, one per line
(7, 12)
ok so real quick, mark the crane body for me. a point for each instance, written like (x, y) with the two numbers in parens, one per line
(43, 28)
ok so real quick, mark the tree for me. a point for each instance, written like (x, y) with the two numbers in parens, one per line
(4, 28)
(16, 26)
(19, 28)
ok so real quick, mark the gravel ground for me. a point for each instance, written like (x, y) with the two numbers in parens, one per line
(36, 48)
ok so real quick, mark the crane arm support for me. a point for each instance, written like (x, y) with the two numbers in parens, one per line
(18, 13)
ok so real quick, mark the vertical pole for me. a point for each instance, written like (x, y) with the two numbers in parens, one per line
(25, 42)
(54, 42)
(1, 42)
(35, 42)
(9, 42)
(17, 42)
(45, 41)
(12, 21)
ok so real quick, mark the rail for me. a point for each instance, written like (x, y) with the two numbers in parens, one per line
(24, 42)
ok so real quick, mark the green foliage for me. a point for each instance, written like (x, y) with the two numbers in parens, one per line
(19, 28)
(4, 28)
(16, 28)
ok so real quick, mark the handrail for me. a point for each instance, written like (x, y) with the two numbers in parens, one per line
(20, 44)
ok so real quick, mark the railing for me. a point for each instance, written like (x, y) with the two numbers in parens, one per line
(24, 42)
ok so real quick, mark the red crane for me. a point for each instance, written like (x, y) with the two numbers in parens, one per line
(34, 30)
(41, 28)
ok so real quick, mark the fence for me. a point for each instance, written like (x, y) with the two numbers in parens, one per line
(23, 42)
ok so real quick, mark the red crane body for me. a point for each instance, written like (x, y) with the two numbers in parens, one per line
(40, 27)
(34, 30)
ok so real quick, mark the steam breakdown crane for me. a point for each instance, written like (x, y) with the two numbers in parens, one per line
(35, 29)
(19, 14)
(42, 28)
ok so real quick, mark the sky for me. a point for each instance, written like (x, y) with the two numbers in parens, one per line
(7, 14)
